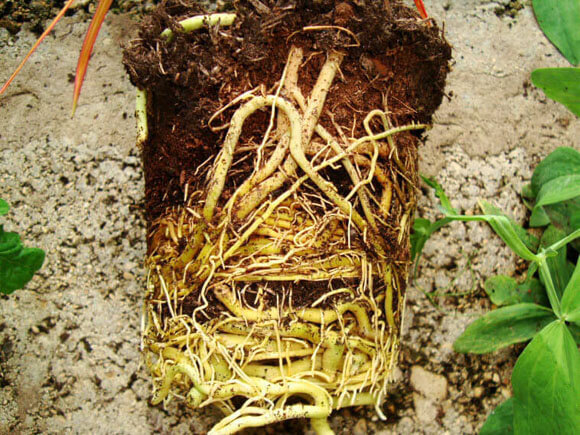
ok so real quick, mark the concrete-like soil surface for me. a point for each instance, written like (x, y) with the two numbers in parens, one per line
(69, 342)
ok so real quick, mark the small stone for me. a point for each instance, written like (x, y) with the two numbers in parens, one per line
(360, 428)
(128, 276)
(477, 392)
(429, 384)
(495, 378)
(396, 375)
(424, 408)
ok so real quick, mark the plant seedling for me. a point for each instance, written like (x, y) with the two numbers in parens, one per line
(545, 378)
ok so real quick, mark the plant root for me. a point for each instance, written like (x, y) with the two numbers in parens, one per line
(223, 324)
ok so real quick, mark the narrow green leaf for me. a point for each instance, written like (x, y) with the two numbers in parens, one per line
(559, 21)
(504, 290)
(4, 207)
(446, 206)
(561, 161)
(529, 240)
(546, 384)
(502, 327)
(503, 229)
(560, 269)
(561, 85)
(571, 299)
(500, 224)
(501, 420)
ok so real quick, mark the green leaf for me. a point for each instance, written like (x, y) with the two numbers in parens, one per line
(564, 215)
(560, 189)
(503, 228)
(546, 384)
(561, 85)
(502, 327)
(560, 269)
(4, 207)
(575, 331)
(527, 192)
(500, 224)
(419, 236)
(446, 206)
(539, 217)
(501, 420)
(18, 269)
(529, 240)
(424, 228)
(17, 263)
(561, 161)
(9, 243)
(504, 290)
(559, 20)
(565, 240)
(571, 299)
(422, 231)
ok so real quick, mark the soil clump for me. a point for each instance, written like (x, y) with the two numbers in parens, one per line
(392, 62)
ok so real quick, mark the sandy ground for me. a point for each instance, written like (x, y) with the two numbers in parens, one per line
(69, 343)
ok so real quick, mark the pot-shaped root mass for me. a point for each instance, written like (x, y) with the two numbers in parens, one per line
(280, 151)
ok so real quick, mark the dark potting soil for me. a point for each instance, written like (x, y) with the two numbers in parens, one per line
(393, 61)
(399, 60)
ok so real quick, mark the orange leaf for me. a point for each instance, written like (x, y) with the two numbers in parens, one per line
(421, 8)
(37, 43)
(89, 42)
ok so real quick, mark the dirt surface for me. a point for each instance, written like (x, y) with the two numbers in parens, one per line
(69, 343)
